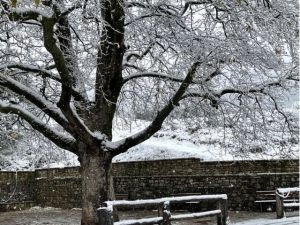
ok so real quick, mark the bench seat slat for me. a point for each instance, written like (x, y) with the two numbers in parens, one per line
(291, 205)
(196, 215)
(285, 200)
(266, 201)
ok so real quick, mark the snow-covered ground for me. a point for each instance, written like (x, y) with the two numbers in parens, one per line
(284, 221)
(54, 216)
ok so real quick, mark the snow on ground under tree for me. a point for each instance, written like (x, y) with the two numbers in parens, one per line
(54, 216)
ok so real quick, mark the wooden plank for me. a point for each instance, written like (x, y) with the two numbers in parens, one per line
(279, 207)
(145, 221)
(264, 201)
(291, 205)
(166, 214)
(121, 196)
(160, 201)
(196, 215)
(270, 201)
(222, 219)
(105, 215)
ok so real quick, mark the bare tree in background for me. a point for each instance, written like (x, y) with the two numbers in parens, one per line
(72, 64)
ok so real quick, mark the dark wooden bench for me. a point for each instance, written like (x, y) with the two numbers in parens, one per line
(191, 206)
(267, 200)
(121, 196)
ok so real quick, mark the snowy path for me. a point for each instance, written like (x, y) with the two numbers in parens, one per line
(52, 216)
(284, 221)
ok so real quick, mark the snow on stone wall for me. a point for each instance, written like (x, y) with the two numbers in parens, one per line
(194, 166)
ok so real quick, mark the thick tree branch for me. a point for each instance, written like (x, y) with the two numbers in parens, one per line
(30, 68)
(60, 61)
(259, 89)
(161, 8)
(66, 80)
(44, 72)
(167, 77)
(158, 10)
(136, 4)
(214, 96)
(60, 139)
(71, 9)
(66, 46)
(142, 17)
(35, 98)
(48, 22)
(151, 74)
(26, 14)
(122, 145)
(189, 3)
(140, 56)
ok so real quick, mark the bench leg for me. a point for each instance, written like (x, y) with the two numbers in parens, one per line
(261, 208)
(279, 207)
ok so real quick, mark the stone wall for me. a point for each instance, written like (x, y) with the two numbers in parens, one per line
(16, 187)
(198, 167)
(61, 187)
(240, 188)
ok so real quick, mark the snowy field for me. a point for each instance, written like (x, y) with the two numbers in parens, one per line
(52, 216)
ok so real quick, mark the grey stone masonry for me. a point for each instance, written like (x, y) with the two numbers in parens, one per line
(61, 187)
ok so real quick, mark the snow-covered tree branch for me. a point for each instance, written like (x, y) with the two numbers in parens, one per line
(59, 139)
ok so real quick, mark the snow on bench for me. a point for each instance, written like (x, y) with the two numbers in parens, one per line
(291, 205)
(281, 200)
(158, 201)
(287, 190)
(153, 220)
(105, 214)
(196, 215)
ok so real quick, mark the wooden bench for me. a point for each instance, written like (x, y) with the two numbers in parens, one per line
(105, 213)
(286, 198)
(267, 200)
(121, 196)
(191, 205)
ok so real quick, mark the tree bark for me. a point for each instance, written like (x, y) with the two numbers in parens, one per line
(97, 183)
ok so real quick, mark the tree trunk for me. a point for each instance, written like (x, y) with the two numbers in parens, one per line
(97, 184)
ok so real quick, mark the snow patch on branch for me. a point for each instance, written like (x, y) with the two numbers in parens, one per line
(43, 13)
(32, 119)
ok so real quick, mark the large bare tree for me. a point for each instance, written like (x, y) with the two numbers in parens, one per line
(71, 64)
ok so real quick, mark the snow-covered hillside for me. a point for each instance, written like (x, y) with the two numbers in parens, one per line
(175, 140)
